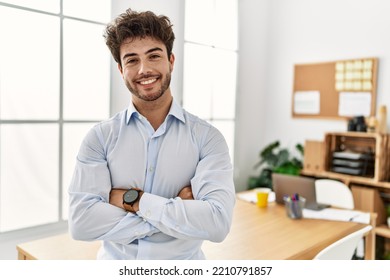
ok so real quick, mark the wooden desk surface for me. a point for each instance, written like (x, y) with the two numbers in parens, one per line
(268, 234)
(256, 233)
(59, 247)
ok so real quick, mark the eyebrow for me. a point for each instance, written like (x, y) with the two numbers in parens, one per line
(147, 52)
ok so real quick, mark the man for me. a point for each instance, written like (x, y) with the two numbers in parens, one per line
(153, 181)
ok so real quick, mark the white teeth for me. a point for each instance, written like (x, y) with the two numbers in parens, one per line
(147, 82)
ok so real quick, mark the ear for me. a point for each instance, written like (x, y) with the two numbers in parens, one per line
(120, 69)
(171, 61)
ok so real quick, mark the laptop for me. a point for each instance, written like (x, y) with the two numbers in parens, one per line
(287, 185)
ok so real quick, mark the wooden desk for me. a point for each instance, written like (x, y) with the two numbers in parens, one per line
(256, 233)
(59, 247)
(268, 234)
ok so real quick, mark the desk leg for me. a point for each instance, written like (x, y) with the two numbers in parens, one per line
(370, 246)
(370, 240)
(21, 256)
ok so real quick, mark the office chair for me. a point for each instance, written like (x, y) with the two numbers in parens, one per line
(334, 193)
(344, 248)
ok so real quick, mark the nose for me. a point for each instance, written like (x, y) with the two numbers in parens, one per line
(144, 68)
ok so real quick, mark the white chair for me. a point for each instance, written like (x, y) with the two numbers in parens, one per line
(344, 248)
(334, 193)
(337, 194)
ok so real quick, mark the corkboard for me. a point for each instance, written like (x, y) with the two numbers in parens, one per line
(327, 81)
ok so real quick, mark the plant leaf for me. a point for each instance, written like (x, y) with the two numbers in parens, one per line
(269, 149)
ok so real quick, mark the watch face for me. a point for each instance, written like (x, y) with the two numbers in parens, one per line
(130, 196)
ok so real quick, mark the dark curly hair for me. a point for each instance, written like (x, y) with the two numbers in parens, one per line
(133, 25)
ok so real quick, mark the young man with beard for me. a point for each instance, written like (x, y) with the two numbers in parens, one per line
(153, 181)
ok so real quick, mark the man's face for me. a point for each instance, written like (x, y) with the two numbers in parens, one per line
(146, 68)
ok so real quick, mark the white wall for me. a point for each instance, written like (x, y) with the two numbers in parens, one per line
(251, 84)
(320, 30)
(301, 31)
(275, 35)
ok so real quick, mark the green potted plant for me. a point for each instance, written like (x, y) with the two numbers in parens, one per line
(274, 158)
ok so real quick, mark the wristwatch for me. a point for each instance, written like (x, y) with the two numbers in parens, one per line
(131, 196)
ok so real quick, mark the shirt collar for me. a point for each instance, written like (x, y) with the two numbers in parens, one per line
(176, 111)
(131, 111)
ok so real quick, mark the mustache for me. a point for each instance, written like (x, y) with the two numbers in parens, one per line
(146, 76)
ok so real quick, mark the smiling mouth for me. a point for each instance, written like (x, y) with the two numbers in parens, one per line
(147, 82)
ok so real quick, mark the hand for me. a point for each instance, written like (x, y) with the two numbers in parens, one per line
(116, 197)
(186, 193)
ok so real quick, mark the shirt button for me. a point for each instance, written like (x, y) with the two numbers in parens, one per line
(151, 169)
(148, 213)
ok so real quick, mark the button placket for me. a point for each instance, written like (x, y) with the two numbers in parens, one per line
(151, 162)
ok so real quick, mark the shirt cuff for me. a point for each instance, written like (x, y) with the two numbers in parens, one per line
(151, 206)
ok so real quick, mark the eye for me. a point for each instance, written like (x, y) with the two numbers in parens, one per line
(154, 56)
(131, 61)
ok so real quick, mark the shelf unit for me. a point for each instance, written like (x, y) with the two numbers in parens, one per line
(366, 189)
(360, 143)
(382, 230)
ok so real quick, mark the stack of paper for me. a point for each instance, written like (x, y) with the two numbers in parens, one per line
(338, 215)
(250, 196)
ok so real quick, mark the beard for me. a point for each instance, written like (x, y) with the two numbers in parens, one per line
(151, 96)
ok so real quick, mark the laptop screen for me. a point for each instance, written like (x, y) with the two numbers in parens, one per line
(287, 185)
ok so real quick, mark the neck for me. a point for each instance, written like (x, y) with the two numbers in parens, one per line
(154, 111)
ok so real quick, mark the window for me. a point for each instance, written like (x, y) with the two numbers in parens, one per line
(210, 63)
(54, 85)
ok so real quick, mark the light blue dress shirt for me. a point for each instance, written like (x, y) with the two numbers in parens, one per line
(125, 151)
